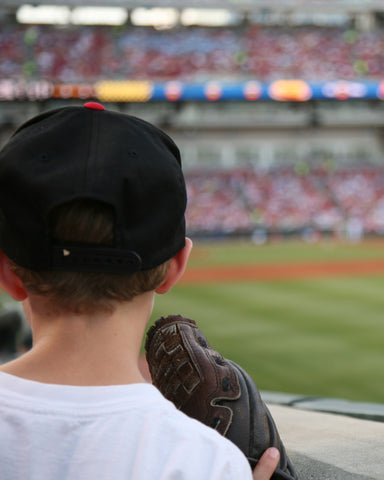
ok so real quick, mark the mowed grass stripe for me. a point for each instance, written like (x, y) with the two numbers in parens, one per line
(245, 253)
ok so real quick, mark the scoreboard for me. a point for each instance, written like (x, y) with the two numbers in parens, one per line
(292, 90)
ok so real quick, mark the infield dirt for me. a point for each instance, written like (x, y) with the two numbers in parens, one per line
(283, 271)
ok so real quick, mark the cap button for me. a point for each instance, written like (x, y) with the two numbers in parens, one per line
(94, 106)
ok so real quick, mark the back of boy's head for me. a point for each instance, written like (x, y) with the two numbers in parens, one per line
(92, 206)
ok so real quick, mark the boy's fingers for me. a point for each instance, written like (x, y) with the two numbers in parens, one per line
(267, 464)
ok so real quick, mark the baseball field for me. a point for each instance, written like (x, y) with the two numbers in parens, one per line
(302, 318)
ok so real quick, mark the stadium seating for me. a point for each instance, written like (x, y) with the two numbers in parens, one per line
(87, 54)
(280, 199)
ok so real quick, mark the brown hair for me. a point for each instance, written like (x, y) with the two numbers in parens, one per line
(87, 222)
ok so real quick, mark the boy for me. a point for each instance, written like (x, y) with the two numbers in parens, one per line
(92, 225)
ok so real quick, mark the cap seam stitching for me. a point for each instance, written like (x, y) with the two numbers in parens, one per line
(90, 150)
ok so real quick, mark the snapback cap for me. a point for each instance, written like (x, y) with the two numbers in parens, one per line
(91, 153)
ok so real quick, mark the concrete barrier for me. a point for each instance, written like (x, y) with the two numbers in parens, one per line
(364, 410)
(325, 446)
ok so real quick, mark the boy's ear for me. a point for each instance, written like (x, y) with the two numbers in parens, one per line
(9, 281)
(176, 267)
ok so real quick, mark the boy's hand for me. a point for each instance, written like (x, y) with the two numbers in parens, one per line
(267, 464)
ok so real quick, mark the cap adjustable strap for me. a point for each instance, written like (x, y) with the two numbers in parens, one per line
(90, 259)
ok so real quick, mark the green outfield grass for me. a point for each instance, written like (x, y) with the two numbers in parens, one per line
(209, 253)
(317, 337)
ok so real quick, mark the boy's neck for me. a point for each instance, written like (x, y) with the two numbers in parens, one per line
(86, 350)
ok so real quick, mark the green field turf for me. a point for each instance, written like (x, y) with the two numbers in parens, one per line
(317, 337)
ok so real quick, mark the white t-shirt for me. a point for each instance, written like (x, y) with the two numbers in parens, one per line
(117, 432)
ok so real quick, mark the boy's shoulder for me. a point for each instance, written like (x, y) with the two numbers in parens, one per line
(162, 433)
(202, 440)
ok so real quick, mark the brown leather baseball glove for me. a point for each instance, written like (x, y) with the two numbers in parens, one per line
(212, 389)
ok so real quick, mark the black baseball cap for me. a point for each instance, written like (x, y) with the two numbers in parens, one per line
(88, 152)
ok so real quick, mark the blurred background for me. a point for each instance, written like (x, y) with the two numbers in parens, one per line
(277, 107)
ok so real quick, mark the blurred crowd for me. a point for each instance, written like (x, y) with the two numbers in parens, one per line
(348, 200)
(88, 54)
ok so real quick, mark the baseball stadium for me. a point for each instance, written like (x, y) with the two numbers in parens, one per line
(277, 107)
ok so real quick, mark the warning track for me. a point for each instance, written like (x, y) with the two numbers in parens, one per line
(284, 271)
